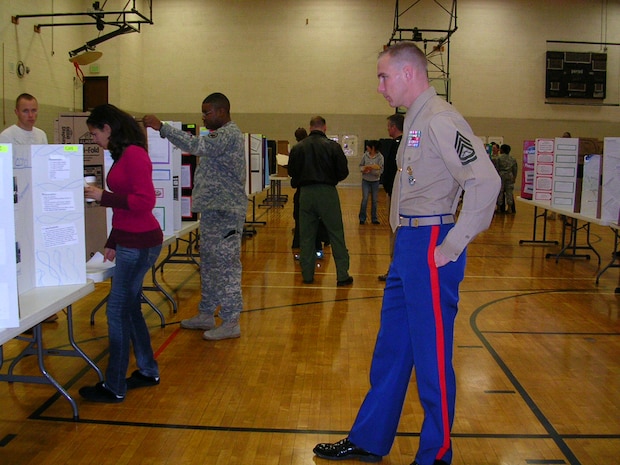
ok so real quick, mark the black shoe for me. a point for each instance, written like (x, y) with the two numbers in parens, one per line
(345, 282)
(138, 380)
(376, 222)
(100, 393)
(382, 277)
(344, 450)
(309, 281)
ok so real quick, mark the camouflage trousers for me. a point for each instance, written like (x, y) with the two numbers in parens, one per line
(506, 192)
(220, 264)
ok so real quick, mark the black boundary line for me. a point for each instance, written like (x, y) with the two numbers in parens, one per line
(553, 433)
(7, 439)
(38, 414)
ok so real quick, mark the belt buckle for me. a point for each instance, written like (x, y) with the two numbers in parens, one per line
(415, 223)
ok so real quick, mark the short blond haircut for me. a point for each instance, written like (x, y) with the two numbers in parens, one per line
(407, 52)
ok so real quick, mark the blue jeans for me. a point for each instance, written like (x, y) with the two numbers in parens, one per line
(372, 188)
(125, 320)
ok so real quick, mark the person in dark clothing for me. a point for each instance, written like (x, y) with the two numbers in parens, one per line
(322, 236)
(395, 130)
(316, 165)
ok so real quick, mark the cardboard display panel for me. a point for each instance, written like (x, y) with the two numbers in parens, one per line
(71, 129)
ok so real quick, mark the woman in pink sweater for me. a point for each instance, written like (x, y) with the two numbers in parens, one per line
(134, 242)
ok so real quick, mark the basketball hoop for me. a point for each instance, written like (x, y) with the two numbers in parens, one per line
(86, 58)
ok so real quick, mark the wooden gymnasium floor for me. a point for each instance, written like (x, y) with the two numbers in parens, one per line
(537, 358)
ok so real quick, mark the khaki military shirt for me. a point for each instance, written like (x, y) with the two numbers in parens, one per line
(439, 157)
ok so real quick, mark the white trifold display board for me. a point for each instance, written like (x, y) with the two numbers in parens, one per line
(610, 209)
(591, 186)
(9, 311)
(543, 170)
(255, 155)
(566, 163)
(49, 215)
(166, 160)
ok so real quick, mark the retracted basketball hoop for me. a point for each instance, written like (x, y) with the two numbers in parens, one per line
(86, 58)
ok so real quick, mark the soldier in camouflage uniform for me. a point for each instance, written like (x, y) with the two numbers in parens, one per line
(507, 169)
(219, 196)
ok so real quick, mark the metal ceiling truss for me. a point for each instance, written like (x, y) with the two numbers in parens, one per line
(125, 20)
(435, 42)
(124, 17)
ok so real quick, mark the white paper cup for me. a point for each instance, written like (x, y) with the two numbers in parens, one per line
(90, 181)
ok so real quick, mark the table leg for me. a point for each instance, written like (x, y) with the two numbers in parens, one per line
(544, 235)
(572, 224)
(35, 347)
(615, 257)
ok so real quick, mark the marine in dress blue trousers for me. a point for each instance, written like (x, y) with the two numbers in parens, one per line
(417, 295)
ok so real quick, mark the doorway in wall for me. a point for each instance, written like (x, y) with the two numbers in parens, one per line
(95, 92)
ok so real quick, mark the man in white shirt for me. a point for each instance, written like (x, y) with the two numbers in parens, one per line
(24, 132)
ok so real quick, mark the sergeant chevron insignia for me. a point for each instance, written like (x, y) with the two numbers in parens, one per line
(465, 149)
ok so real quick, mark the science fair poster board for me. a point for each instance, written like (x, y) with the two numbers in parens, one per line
(49, 215)
(9, 303)
(566, 162)
(610, 205)
(543, 170)
(162, 154)
(591, 186)
(527, 171)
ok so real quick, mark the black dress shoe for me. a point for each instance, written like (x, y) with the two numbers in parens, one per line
(100, 393)
(345, 282)
(344, 450)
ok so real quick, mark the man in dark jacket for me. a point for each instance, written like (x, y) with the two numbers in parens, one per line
(395, 130)
(316, 165)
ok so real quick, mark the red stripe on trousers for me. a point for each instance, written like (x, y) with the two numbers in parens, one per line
(439, 337)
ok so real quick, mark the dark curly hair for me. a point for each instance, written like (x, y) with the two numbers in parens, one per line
(300, 134)
(373, 144)
(125, 129)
